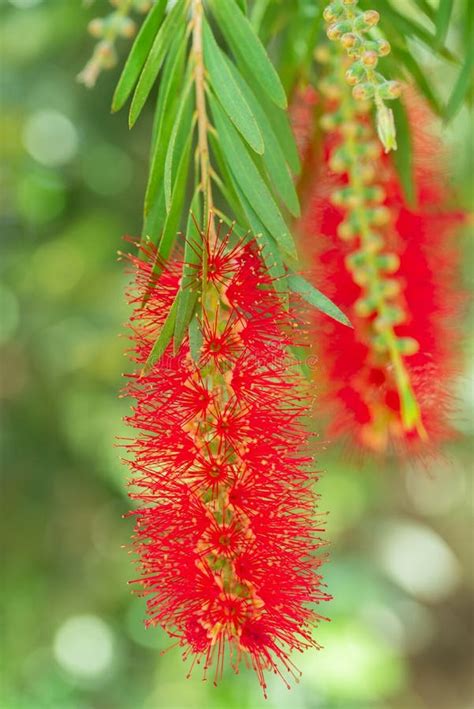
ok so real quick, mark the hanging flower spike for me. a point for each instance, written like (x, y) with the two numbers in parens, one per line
(225, 533)
(350, 26)
(393, 270)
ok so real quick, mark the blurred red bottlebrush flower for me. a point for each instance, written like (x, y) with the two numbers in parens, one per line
(225, 531)
(392, 267)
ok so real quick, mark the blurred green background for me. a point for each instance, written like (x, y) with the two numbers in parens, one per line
(73, 638)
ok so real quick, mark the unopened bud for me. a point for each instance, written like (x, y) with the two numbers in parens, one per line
(370, 59)
(96, 27)
(128, 28)
(362, 92)
(333, 31)
(142, 5)
(383, 47)
(349, 40)
(381, 216)
(329, 15)
(407, 346)
(327, 122)
(371, 17)
(345, 231)
(389, 263)
(364, 307)
(386, 127)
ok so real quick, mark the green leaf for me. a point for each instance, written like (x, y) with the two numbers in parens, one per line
(195, 338)
(138, 54)
(191, 259)
(170, 228)
(403, 157)
(226, 184)
(283, 131)
(155, 58)
(297, 48)
(273, 157)
(249, 179)
(443, 16)
(314, 297)
(168, 99)
(154, 220)
(427, 9)
(248, 48)
(408, 27)
(462, 85)
(403, 57)
(257, 14)
(179, 135)
(270, 253)
(229, 94)
(163, 339)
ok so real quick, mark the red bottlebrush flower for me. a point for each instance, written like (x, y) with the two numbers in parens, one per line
(225, 533)
(410, 255)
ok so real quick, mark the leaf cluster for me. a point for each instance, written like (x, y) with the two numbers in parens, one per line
(250, 149)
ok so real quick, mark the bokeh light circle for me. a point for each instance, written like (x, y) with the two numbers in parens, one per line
(50, 138)
(84, 646)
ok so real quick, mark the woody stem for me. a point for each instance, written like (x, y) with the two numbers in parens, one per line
(202, 120)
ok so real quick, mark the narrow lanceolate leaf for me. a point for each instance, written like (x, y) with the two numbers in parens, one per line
(461, 87)
(401, 57)
(229, 94)
(406, 27)
(171, 226)
(243, 5)
(273, 157)
(403, 157)
(156, 57)
(252, 184)
(167, 106)
(154, 220)
(225, 185)
(179, 135)
(138, 54)
(283, 131)
(443, 17)
(248, 48)
(163, 339)
(270, 252)
(314, 297)
(192, 257)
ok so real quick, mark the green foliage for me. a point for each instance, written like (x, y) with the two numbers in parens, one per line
(166, 111)
(156, 56)
(138, 54)
(251, 152)
(442, 18)
(227, 91)
(314, 297)
(248, 49)
(252, 183)
(403, 156)
(251, 149)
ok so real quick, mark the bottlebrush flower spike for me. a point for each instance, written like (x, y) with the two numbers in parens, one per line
(392, 268)
(225, 531)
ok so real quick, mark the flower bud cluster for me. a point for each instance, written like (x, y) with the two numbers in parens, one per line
(356, 156)
(349, 25)
(107, 30)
